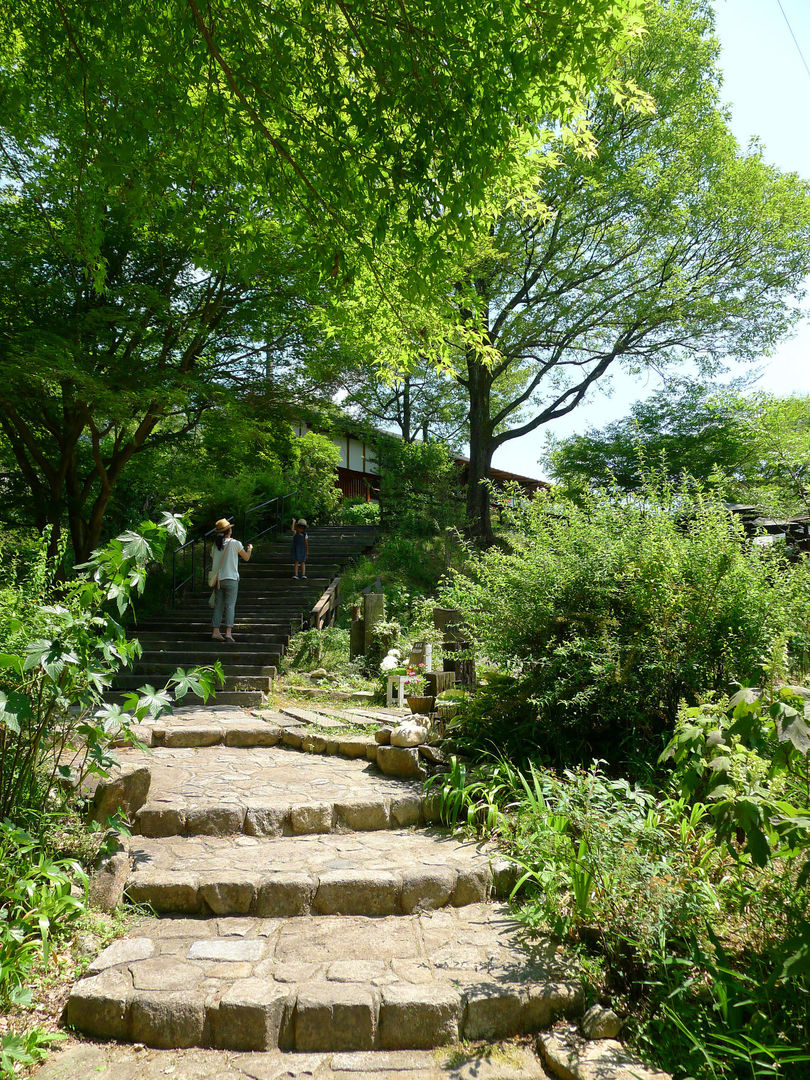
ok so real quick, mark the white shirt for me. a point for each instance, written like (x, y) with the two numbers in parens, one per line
(227, 560)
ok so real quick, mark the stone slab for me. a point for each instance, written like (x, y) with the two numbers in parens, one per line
(223, 789)
(570, 1057)
(309, 716)
(325, 983)
(112, 1061)
(373, 872)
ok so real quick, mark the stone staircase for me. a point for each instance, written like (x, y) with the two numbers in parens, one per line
(270, 608)
(304, 902)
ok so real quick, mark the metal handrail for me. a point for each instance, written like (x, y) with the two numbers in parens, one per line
(190, 546)
(280, 502)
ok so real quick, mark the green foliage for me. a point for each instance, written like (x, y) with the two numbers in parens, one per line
(18, 1052)
(669, 245)
(317, 494)
(239, 455)
(693, 948)
(61, 645)
(688, 427)
(754, 448)
(385, 635)
(749, 759)
(357, 512)
(611, 610)
(328, 648)
(36, 906)
(420, 492)
(460, 100)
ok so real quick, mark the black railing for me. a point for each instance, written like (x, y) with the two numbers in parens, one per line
(190, 560)
(267, 517)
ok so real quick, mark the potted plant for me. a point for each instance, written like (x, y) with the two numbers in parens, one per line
(416, 690)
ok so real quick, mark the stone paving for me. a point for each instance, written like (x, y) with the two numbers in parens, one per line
(224, 790)
(363, 873)
(319, 984)
(111, 1061)
(307, 908)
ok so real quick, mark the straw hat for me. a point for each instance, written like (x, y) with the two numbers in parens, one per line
(302, 521)
(223, 525)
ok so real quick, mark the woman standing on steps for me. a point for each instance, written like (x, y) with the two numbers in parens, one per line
(224, 577)
(300, 547)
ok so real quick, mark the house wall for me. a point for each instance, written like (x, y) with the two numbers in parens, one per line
(358, 471)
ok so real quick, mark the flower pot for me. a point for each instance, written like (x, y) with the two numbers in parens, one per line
(420, 703)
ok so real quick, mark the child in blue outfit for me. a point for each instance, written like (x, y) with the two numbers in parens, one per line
(300, 547)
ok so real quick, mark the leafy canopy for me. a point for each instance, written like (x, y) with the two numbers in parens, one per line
(349, 120)
(754, 447)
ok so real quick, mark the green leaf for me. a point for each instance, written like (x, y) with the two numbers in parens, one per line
(10, 660)
(156, 702)
(794, 730)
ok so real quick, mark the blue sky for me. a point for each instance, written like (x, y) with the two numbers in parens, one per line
(767, 88)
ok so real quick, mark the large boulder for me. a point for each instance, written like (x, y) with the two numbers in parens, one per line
(409, 734)
(400, 761)
(125, 789)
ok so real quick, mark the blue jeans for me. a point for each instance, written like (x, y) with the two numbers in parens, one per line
(225, 599)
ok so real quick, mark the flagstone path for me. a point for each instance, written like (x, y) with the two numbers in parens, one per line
(303, 903)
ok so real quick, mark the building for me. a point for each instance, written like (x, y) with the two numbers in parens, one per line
(359, 469)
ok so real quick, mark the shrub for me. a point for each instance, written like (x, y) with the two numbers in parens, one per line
(328, 648)
(696, 947)
(610, 611)
(357, 512)
(314, 478)
(420, 491)
(385, 635)
(61, 645)
(37, 905)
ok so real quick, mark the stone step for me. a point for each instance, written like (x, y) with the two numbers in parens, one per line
(278, 574)
(216, 790)
(243, 652)
(358, 873)
(165, 640)
(315, 984)
(206, 726)
(162, 668)
(280, 615)
(244, 699)
(197, 624)
(259, 683)
(111, 1061)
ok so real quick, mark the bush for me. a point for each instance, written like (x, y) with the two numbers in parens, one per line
(357, 512)
(37, 906)
(327, 648)
(61, 645)
(612, 611)
(696, 947)
(420, 490)
(385, 635)
(314, 478)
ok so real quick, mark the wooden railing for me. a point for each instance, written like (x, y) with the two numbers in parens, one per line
(325, 609)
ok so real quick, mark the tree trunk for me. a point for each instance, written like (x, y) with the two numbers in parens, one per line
(406, 410)
(479, 518)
